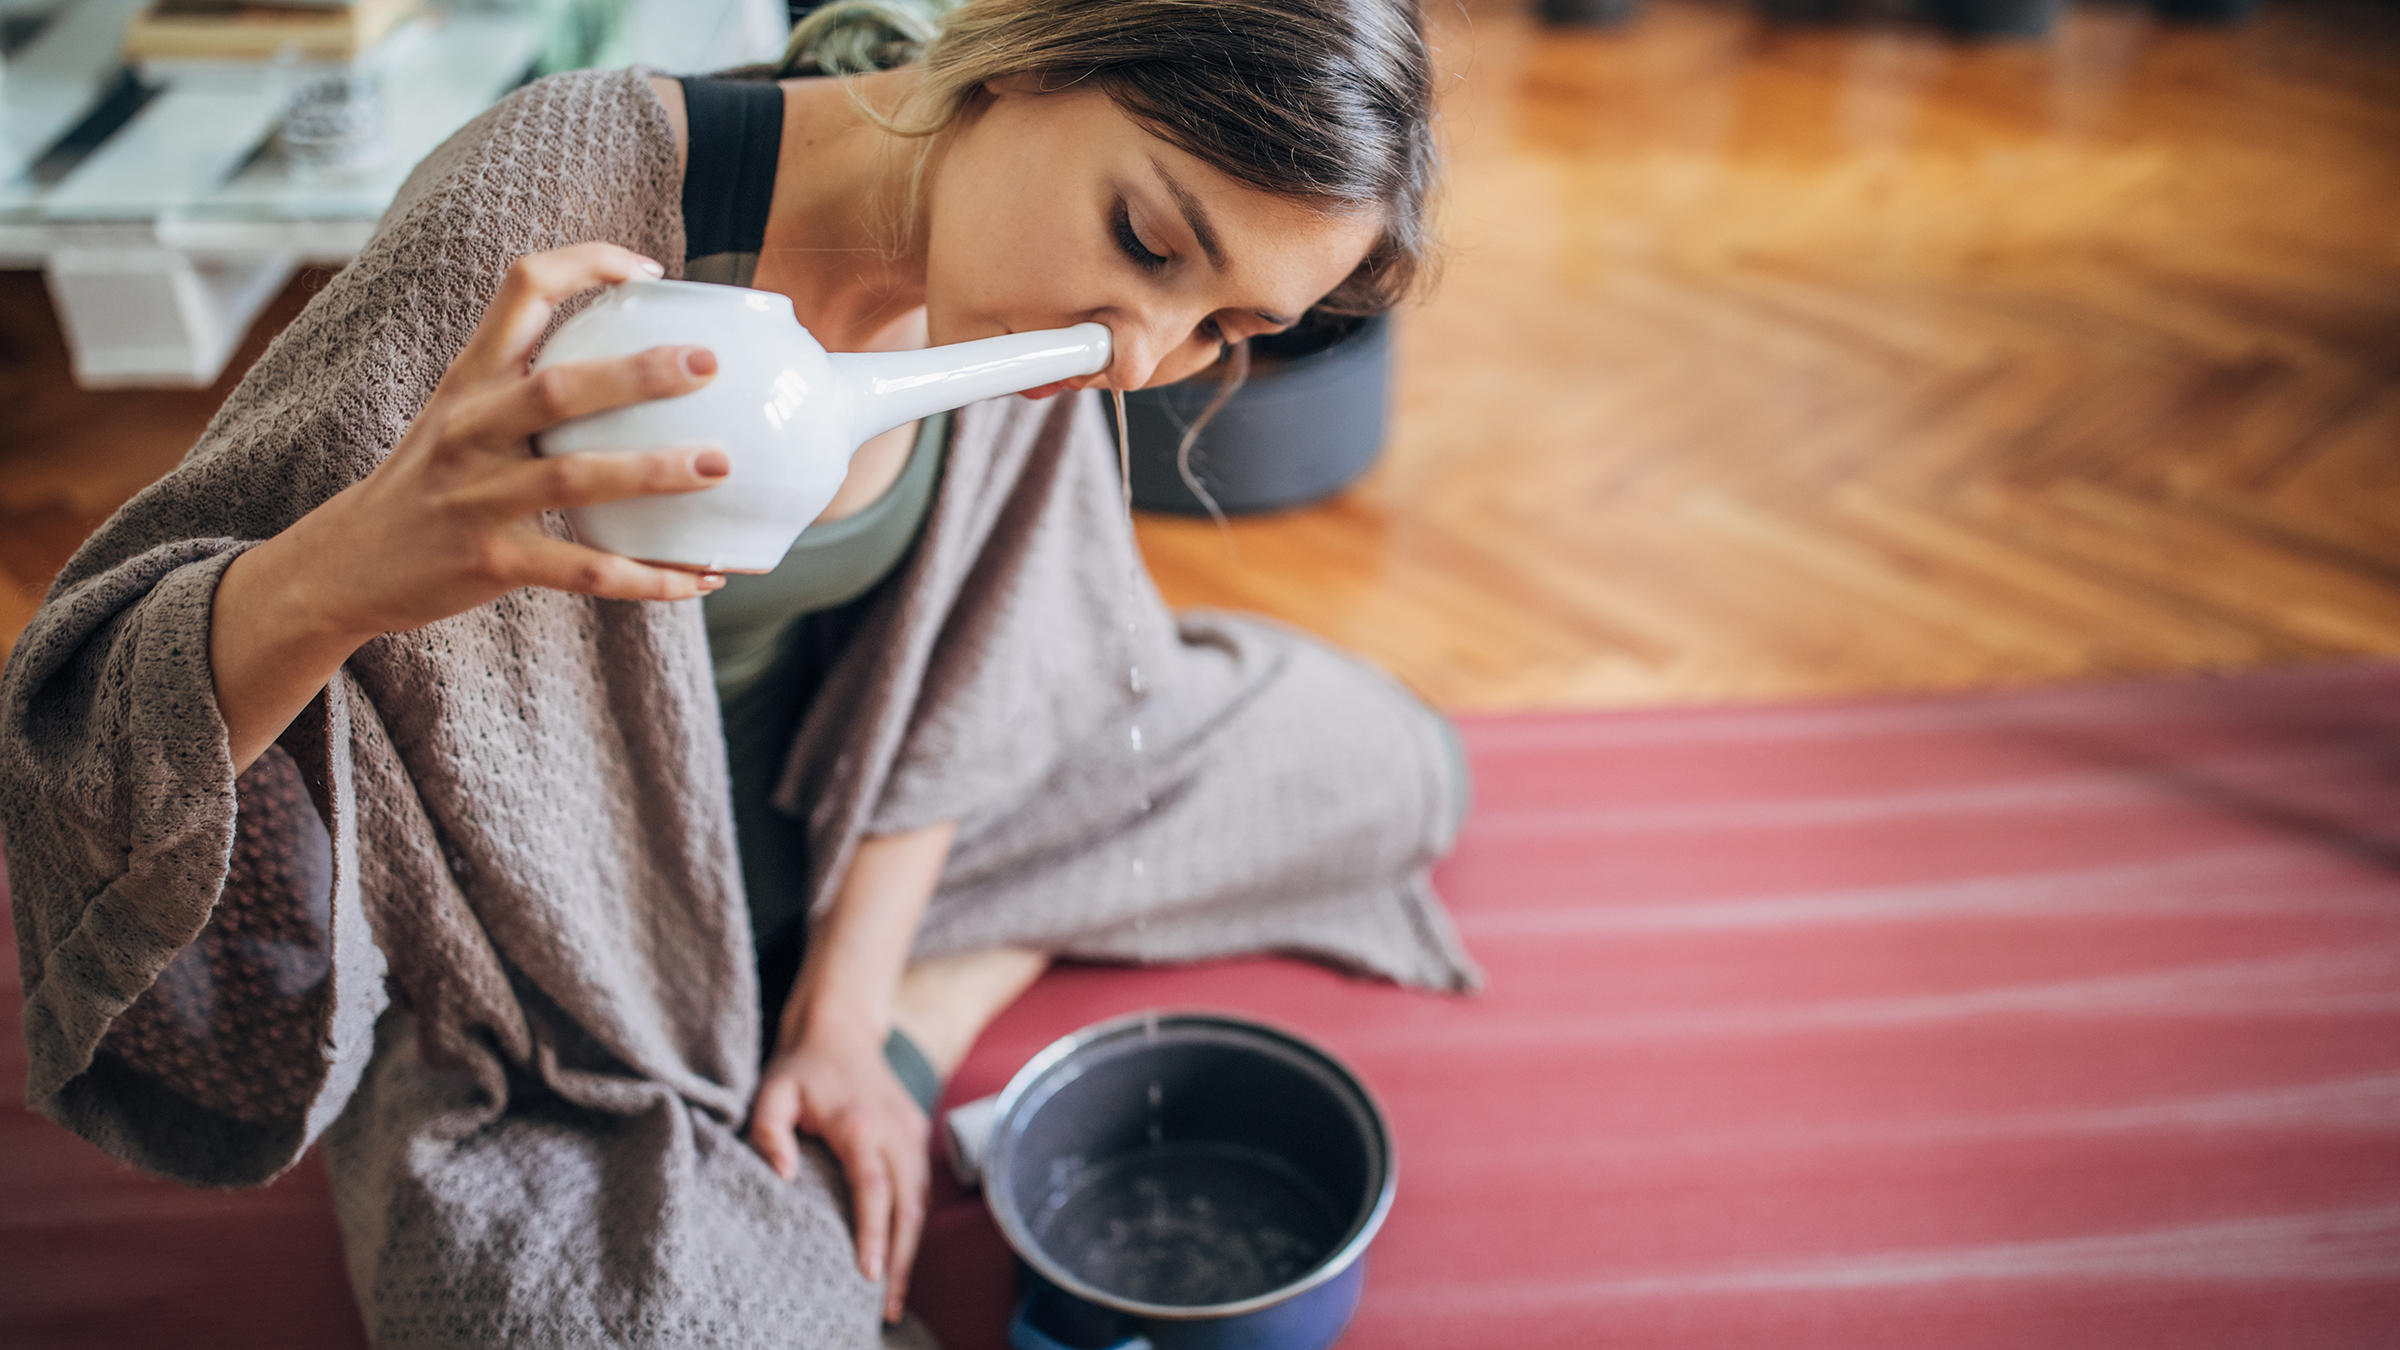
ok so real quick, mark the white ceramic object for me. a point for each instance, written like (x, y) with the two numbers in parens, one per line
(788, 413)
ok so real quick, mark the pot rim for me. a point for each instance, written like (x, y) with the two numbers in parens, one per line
(1037, 1069)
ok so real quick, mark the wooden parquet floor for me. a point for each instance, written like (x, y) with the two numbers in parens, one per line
(69, 458)
(1777, 363)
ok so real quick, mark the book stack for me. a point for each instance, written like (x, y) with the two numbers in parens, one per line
(257, 30)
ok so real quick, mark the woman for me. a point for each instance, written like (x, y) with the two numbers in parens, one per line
(347, 797)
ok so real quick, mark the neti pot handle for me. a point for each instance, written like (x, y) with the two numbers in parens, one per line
(1024, 1335)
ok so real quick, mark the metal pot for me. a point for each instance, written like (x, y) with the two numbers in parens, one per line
(1187, 1181)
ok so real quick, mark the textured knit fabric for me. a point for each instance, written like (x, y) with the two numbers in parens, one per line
(528, 1033)
(229, 1021)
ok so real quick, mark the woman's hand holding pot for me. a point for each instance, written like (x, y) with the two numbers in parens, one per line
(451, 518)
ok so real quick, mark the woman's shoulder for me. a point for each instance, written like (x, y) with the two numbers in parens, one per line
(565, 160)
(568, 158)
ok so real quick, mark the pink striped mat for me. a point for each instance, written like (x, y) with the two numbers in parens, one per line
(2053, 1020)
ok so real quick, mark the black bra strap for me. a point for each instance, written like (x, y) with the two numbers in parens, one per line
(729, 174)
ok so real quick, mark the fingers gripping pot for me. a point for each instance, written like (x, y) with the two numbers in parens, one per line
(1187, 1181)
(787, 413)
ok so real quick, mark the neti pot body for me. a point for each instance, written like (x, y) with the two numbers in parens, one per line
(787, 413)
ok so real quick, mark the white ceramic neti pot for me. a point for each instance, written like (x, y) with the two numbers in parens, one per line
(784, 410)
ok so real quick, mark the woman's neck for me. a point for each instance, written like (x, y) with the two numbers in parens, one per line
(839, 239)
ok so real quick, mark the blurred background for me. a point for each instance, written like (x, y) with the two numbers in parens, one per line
(1782, 352)
(1781, 360)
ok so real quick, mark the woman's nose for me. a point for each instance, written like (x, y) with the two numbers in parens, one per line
(1138, 352)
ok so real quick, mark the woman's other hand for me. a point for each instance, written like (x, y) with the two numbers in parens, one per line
(837, 1086)
(452, 517)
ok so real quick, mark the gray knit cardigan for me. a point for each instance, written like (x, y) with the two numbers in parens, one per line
(477, 921)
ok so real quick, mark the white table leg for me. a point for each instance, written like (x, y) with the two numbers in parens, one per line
(155, 316)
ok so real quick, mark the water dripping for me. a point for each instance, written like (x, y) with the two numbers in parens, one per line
(1124, 454)
(1134, 683)
(1158, 1095)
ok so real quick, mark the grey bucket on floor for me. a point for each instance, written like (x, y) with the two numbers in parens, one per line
(1301, 428)
(1186, 1181)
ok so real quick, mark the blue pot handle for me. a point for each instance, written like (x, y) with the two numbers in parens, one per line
(1024, 1335)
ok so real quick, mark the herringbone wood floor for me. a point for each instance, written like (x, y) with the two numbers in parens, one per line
(1775, 363)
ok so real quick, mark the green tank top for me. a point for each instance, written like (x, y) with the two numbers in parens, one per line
(830, 564)
(774, 639)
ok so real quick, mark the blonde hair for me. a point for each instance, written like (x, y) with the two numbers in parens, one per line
(856, 37)
(1323, 101)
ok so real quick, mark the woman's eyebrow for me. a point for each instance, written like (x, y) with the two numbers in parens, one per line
(1196, 216)
(1193, 215)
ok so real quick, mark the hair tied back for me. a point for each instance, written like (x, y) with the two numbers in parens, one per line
(859, 37)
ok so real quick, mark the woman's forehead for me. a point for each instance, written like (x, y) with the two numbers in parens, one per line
(1279, 253)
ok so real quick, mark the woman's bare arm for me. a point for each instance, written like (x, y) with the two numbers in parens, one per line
(829, 1077)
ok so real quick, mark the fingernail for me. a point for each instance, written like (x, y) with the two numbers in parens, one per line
(711, 464)
(700, 361)
(653, 268)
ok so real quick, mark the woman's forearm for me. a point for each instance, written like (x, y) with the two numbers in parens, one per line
(857, 953)
(271, 648)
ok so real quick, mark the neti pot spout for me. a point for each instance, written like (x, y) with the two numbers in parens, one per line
(787, 414)
(889, 389)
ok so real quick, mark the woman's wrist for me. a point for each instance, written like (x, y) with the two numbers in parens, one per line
(835, 1020)
(309, 573)
(274, 641)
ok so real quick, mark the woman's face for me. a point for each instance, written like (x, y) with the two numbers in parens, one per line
(1050, 209)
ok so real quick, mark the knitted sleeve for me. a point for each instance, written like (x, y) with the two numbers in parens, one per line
(201, 980)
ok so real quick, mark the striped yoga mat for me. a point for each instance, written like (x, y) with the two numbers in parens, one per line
(2048, 1021)
(2043, 1021)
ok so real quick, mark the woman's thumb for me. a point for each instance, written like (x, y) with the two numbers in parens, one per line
(771, 1120)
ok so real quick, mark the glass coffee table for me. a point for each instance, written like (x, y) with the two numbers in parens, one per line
(164, 212)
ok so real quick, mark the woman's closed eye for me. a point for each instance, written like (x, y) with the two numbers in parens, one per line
(1131, 243)
(1130, 240)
